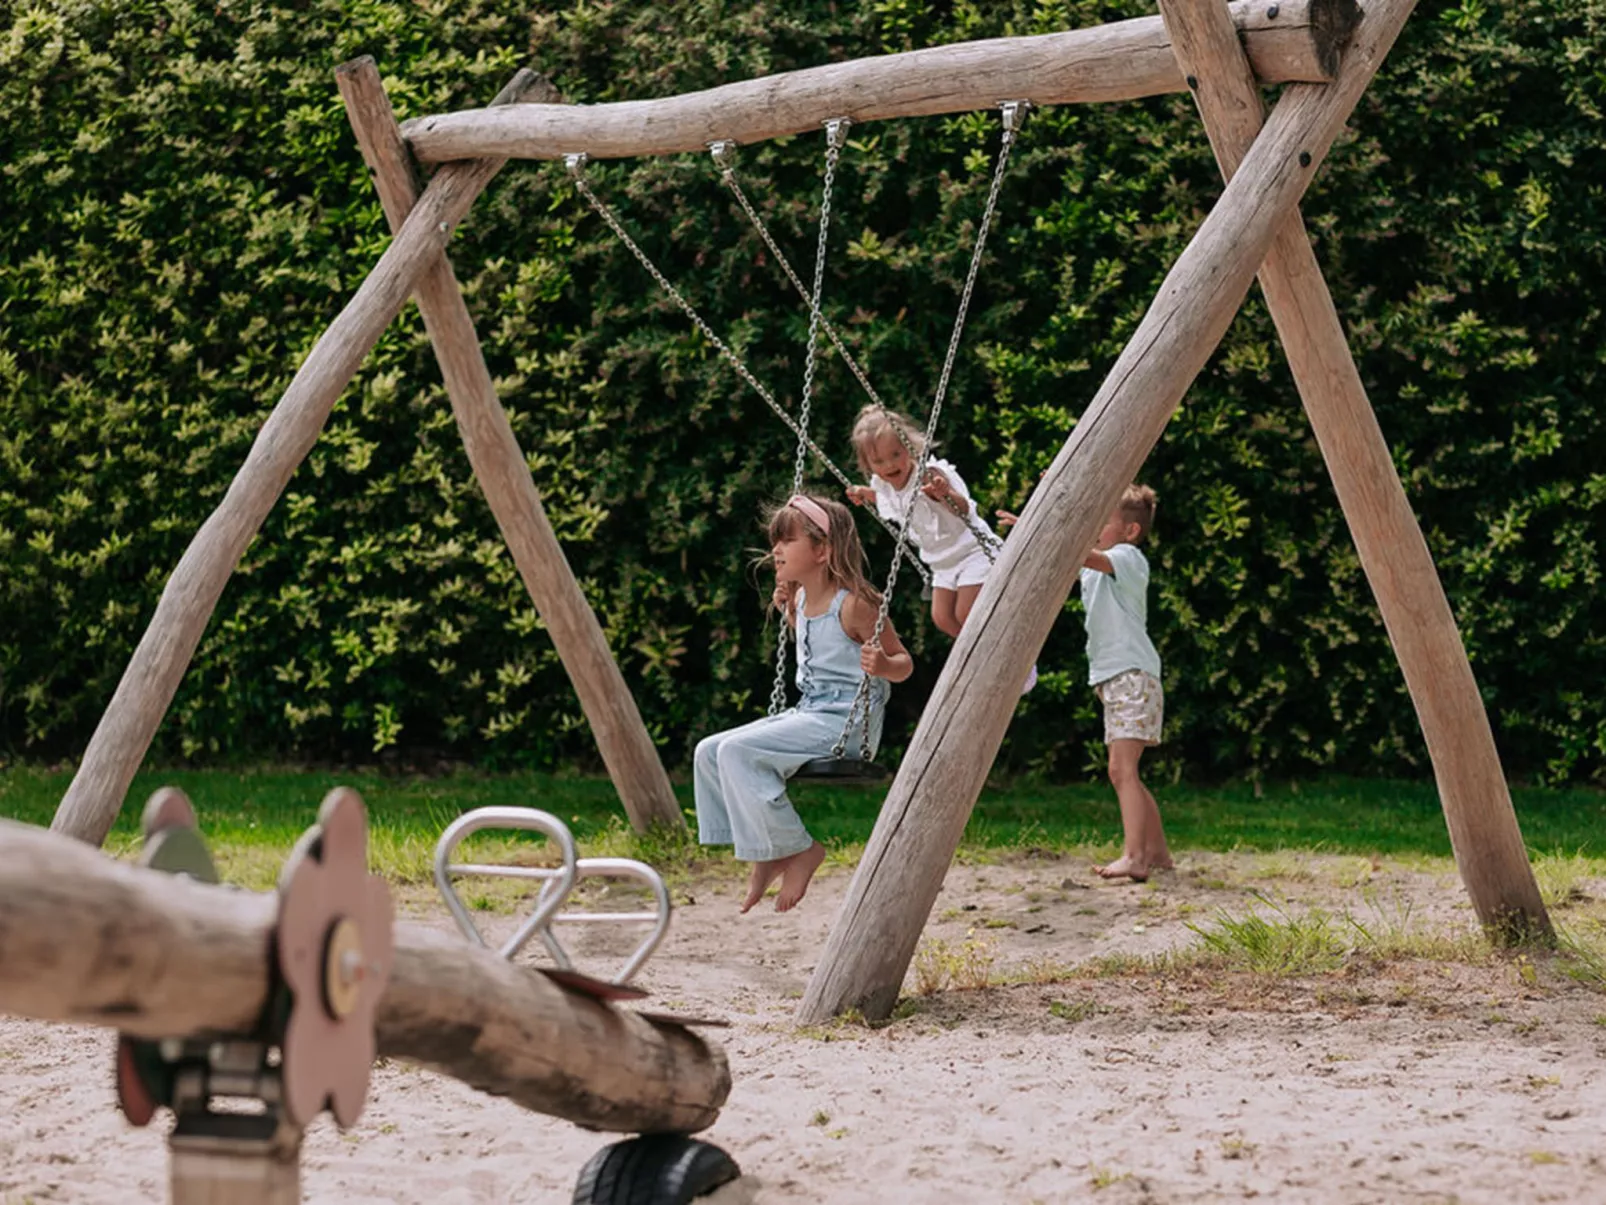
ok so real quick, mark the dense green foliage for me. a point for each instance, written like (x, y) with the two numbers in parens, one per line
(187, 212)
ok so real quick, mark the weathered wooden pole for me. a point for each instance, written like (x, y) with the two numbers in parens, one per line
(874, 937)
(1289, 41)
(1477, 804)
(498, 463)
(124, 733)
(93, 941)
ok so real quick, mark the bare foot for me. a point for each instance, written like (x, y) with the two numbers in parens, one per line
(1124, 867)
(798, 870)
(1163, 862)
(759, 880)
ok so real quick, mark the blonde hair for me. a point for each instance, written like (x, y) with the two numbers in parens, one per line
(844, 562)
(1137, 506)
(875, 421)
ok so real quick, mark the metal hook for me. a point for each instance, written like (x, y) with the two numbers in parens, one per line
(1014, 114)
(724, 152)
(575, 163)
(836, 132)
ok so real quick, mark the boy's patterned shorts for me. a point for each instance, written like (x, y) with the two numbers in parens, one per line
(1134, 707)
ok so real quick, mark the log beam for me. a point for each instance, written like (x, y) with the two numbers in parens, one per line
(1477, 804)
(1288, 41)
(499, 466)
(88, 940)
(148, 684)
(874, 938)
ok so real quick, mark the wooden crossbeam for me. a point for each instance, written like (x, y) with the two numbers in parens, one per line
(874, 938)
(148, 684)
(1477, 804)
(498, 464)
(89, 940)
(1287, 41)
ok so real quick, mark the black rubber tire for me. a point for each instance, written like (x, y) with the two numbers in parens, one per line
(656, 1169)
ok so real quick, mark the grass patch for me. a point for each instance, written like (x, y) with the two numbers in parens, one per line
(252, 817)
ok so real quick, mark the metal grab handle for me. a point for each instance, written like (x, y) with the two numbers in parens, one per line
(556, 885)
(626, 868)
(555, 888)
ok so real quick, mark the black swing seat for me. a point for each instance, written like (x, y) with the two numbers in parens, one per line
(843, 771)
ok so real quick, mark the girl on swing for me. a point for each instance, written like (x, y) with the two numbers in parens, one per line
(740, 775)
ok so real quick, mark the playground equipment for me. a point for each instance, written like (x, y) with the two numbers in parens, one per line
(1325, 52)
(279, 1003)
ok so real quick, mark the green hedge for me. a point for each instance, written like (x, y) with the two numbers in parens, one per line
(187, 212)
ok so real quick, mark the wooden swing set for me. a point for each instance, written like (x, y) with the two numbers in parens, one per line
(1323, 52)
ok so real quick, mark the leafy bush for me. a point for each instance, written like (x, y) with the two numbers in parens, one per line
(189, 211)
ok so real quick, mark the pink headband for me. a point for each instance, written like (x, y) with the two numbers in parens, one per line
(812, 510)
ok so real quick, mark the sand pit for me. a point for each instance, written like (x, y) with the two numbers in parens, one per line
(1400, 1079)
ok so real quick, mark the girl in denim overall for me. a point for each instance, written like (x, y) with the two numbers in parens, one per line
(740, 775)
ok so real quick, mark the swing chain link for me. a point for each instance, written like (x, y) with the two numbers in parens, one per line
(1011, 113)
(835, 136)
(723, 152)
(575, 165)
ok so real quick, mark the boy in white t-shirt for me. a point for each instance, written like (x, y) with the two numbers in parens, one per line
(1124, 671)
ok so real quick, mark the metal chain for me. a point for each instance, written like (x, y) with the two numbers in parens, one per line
(723, 153)
(835, 135)
(1012, 112)
(576, 164)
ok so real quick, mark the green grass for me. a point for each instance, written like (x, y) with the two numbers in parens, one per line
(251, 817)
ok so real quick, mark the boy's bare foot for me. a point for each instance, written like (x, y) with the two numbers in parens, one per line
(1124, 867)
(1163, 862)
(796, 873)
(759, 880)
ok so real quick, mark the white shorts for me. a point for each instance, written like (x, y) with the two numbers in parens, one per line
(972, 571)
(1134, 707)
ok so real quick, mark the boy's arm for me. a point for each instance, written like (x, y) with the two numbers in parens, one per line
(1101, 562)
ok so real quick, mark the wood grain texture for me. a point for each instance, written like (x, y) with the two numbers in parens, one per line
(88, 940)
(499, 466)
(1120, 61)
(1484, 833)
(953, 748)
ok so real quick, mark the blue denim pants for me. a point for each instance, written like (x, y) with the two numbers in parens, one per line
(740, 775)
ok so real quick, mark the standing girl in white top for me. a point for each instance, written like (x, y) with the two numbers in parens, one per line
(943, 524)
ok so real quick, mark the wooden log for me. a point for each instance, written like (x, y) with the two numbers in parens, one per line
(1287, 42)
(148, 684)
(88, 940)
(875, 934)
(1483, 825)
(499, 466)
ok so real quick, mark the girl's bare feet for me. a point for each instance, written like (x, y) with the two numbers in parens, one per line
(795, 875)
(759, 880)
(1124, 867)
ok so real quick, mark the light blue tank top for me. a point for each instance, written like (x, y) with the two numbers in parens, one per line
(828, 671)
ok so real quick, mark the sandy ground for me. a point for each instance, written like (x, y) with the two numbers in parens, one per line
(1400, 1081)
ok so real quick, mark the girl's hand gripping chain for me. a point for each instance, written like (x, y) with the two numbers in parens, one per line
(874, 661)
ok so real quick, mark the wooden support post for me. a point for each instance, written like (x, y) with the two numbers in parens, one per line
(499, 466)
(1477, 805)
(89, 940)
(1291, 40)
(942, 774)
(124, 733)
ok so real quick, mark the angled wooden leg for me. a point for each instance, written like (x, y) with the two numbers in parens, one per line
(190, 596)
(924, 816)
(499, 466)
(1477, 804)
